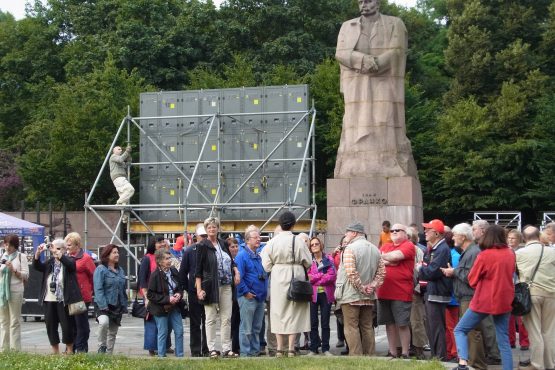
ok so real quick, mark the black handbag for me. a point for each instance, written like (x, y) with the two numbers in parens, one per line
(522, 302)
(138, 309)
(299, 290)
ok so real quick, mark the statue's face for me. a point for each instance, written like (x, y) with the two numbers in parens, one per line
(368, 7)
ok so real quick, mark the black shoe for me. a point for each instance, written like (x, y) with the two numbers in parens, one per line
(170, 351)
(196, 354)
(524, 363)
(524, 348)
(493, 361)
(102, 349)
(405, 357)
(461, 367)
(340, 344)
(344, 353)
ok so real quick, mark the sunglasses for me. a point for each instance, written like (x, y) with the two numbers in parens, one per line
(397, 230)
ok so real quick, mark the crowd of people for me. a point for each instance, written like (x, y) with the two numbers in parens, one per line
(447, 289)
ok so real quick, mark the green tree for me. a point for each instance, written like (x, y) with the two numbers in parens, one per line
(65, 146)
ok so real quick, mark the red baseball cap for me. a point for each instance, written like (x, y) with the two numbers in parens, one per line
(435, 224)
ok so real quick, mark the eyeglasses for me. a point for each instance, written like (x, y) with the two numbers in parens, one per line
(397, 230)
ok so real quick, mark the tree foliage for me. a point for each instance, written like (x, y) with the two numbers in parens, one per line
(479, 88)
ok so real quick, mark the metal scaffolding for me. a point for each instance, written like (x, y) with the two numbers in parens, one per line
(510, 220)
(218, 203)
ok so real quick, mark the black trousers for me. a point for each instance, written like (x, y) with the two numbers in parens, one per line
(235, 322)
(435, 328)
(197, 326)
(82, 332)
(56, 313)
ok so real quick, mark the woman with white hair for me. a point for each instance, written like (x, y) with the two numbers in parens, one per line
(59, 289)
(215, 277)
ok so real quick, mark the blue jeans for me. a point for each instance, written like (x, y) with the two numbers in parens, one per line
(469, 321)
(252, 315)
(173, 321)
(325, 311)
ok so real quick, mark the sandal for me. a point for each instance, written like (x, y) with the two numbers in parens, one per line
(214, 354)
(280, 353)
(230, 354)
(291, 353)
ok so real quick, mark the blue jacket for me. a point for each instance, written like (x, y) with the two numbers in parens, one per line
(455, 257)
(250, 268)
(109, 287)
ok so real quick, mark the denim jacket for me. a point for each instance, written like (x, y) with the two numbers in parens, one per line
(109, 287)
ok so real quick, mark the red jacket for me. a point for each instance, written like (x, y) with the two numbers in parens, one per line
(492, 277)
(85, 272)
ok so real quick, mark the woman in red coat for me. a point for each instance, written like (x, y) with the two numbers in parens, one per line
(492, 278)
(85, 271)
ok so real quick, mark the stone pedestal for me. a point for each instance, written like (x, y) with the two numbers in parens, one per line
(371, 201)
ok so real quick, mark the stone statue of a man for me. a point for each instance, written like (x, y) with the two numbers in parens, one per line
(372, 50)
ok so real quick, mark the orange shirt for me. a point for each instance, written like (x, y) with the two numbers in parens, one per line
(385, 238)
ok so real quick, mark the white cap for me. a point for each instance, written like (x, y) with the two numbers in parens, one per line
(201, 231)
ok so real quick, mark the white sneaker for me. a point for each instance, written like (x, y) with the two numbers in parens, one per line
(310, 353)
(328, 353)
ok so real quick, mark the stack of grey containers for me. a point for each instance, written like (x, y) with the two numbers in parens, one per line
(249, 125)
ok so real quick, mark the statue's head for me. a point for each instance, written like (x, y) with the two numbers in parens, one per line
(369, 7)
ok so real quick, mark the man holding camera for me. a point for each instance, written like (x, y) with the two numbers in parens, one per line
(251, 293)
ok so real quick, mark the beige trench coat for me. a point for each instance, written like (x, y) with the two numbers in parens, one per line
(286, 317)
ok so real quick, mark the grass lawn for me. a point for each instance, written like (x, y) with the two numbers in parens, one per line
(26, 361)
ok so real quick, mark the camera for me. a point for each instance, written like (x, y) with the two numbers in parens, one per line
(52, 287)
(3, 262)
(262, 277)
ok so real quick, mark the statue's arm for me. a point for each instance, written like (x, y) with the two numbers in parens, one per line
(345, 53)
(397, 49)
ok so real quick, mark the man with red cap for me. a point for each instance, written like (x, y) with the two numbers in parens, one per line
(439, 288)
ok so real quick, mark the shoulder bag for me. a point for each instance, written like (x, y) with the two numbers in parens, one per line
(522, 302)
(299, 290)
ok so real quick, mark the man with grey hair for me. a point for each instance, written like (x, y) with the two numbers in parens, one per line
(479, 228)
(464, 239)
(549, 232)
(536, 264)
(395, 295)
(361, 272)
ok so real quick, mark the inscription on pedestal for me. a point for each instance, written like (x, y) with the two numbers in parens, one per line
(367, 199)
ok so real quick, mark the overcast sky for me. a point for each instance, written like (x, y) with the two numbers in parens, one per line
(17, 7)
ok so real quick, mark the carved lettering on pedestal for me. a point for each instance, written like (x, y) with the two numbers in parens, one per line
(366, 199)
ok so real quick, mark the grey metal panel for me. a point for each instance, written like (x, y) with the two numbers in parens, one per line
(149, 194)
(230, 184)
(231, 100)
(275, 167)
(231, 147)
(251, 146)
(276, 123)
(295, 146)
(148, 171)
(274, 99)
(191, 148)
(149, 108)
(296, 97)
(171, 105)
(272, 140)
(173, 147)
(209, 101)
